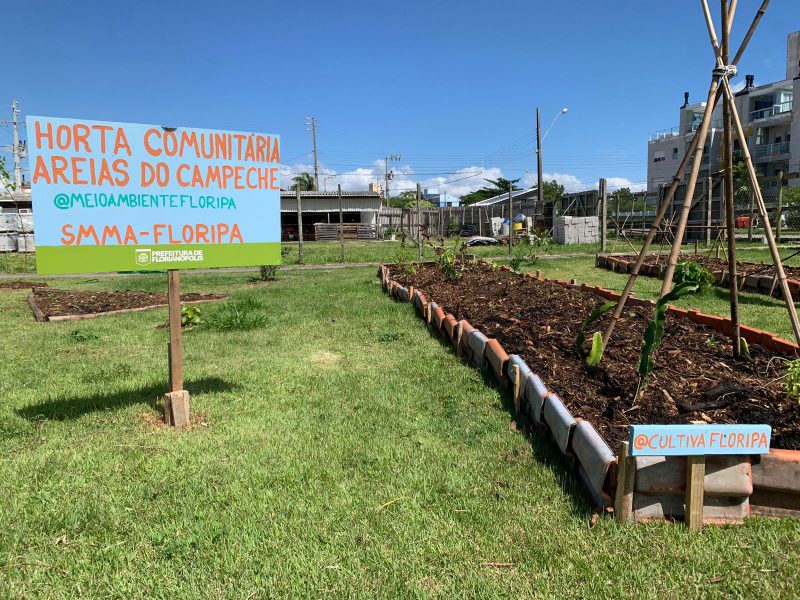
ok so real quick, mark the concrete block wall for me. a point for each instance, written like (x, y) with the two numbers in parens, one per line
(576, 230)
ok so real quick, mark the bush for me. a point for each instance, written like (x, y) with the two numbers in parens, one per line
(687, 271)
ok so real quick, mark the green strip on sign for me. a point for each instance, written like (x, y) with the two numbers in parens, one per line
(52, 260)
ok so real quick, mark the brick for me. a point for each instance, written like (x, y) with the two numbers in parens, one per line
(449, 328)
(497, 358)
(535, 392)
(466, 331)
(516, 362)
(438, 317)
(477, 343)
(779, 470)
(560, 422)
(716, 510)
(726, 475)
(594, 457)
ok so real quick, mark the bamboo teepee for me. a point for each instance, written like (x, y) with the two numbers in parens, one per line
(719, 90)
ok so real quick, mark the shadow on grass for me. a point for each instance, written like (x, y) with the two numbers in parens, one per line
(746, 297)
(543, 448)
(64, 408)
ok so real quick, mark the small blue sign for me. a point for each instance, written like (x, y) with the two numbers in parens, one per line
(694, 440)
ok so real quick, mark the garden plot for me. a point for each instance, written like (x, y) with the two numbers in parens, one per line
(527, 332)
(754, 277)
(50, 304)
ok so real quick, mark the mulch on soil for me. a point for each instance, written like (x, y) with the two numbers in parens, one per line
(56, 303)
(21, 285)
(695, 378)
(719, 264)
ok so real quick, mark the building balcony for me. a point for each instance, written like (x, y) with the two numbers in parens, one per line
(662, 135)
(770, 151)
(771, 111)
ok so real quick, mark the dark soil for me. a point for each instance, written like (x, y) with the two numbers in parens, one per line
(21, 285)
(695, 378)
(56, 303)
(719, 264)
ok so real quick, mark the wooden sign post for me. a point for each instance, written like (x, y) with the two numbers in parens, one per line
(176, 401)
(695, 442)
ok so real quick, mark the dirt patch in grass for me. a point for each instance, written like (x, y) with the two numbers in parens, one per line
(695, 377)
(60, 303)
(21, 285)
(325, 359)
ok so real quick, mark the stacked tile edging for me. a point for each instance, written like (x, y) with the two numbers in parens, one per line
(759, 284)
(773, 481)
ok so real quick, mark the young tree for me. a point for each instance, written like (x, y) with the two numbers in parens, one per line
(500, 186)
(552, 190)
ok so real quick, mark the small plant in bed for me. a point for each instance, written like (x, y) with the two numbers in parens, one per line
(655, 330)
(688, 271)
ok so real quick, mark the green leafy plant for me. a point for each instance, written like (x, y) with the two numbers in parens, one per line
(688, 271)
(237, 315)
(270, 272)
(793, 380)
(446, 257)
(518, 258)
(83, 335)
(655, 330)
(404, 261)
(540, 244)
(190, 316)
(596, 354)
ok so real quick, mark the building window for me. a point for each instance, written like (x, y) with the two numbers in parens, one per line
(659, 156)
(674, 154)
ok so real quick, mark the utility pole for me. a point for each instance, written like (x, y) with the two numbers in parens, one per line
(540, 191)
(16, 149)
(312, 123)
(389, 176)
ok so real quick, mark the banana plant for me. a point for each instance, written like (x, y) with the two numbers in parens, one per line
(655, 330)
(593, 357)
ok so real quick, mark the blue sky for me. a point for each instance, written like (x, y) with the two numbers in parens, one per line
(451, 87)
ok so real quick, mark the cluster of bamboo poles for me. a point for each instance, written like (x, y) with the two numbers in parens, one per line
(719, 90)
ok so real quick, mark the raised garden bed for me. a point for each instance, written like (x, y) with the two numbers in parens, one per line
(523, 329)
(50, 304)
(753, 277)
(21, 285)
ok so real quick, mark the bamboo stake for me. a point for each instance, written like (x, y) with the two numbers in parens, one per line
(762, 209)
(648, 240)
(748, 161)
(673, 187)
(727, 153)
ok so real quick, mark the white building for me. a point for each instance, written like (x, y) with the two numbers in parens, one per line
(771, 124)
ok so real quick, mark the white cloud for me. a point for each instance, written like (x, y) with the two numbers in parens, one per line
(460, 182)
(572, 183)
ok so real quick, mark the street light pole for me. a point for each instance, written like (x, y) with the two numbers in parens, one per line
(539, 139)
(540, 189)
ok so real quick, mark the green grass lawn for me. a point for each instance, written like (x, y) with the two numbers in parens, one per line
(338, 451)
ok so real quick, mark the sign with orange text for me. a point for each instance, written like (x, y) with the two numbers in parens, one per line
(125, 197)
(694, 440)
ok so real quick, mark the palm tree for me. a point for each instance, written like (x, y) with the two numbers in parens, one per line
(303, 182)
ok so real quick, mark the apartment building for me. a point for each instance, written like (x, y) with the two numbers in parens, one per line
(771, 124)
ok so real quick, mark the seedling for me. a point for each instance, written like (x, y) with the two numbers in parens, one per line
(596, 354)
(655, 330)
